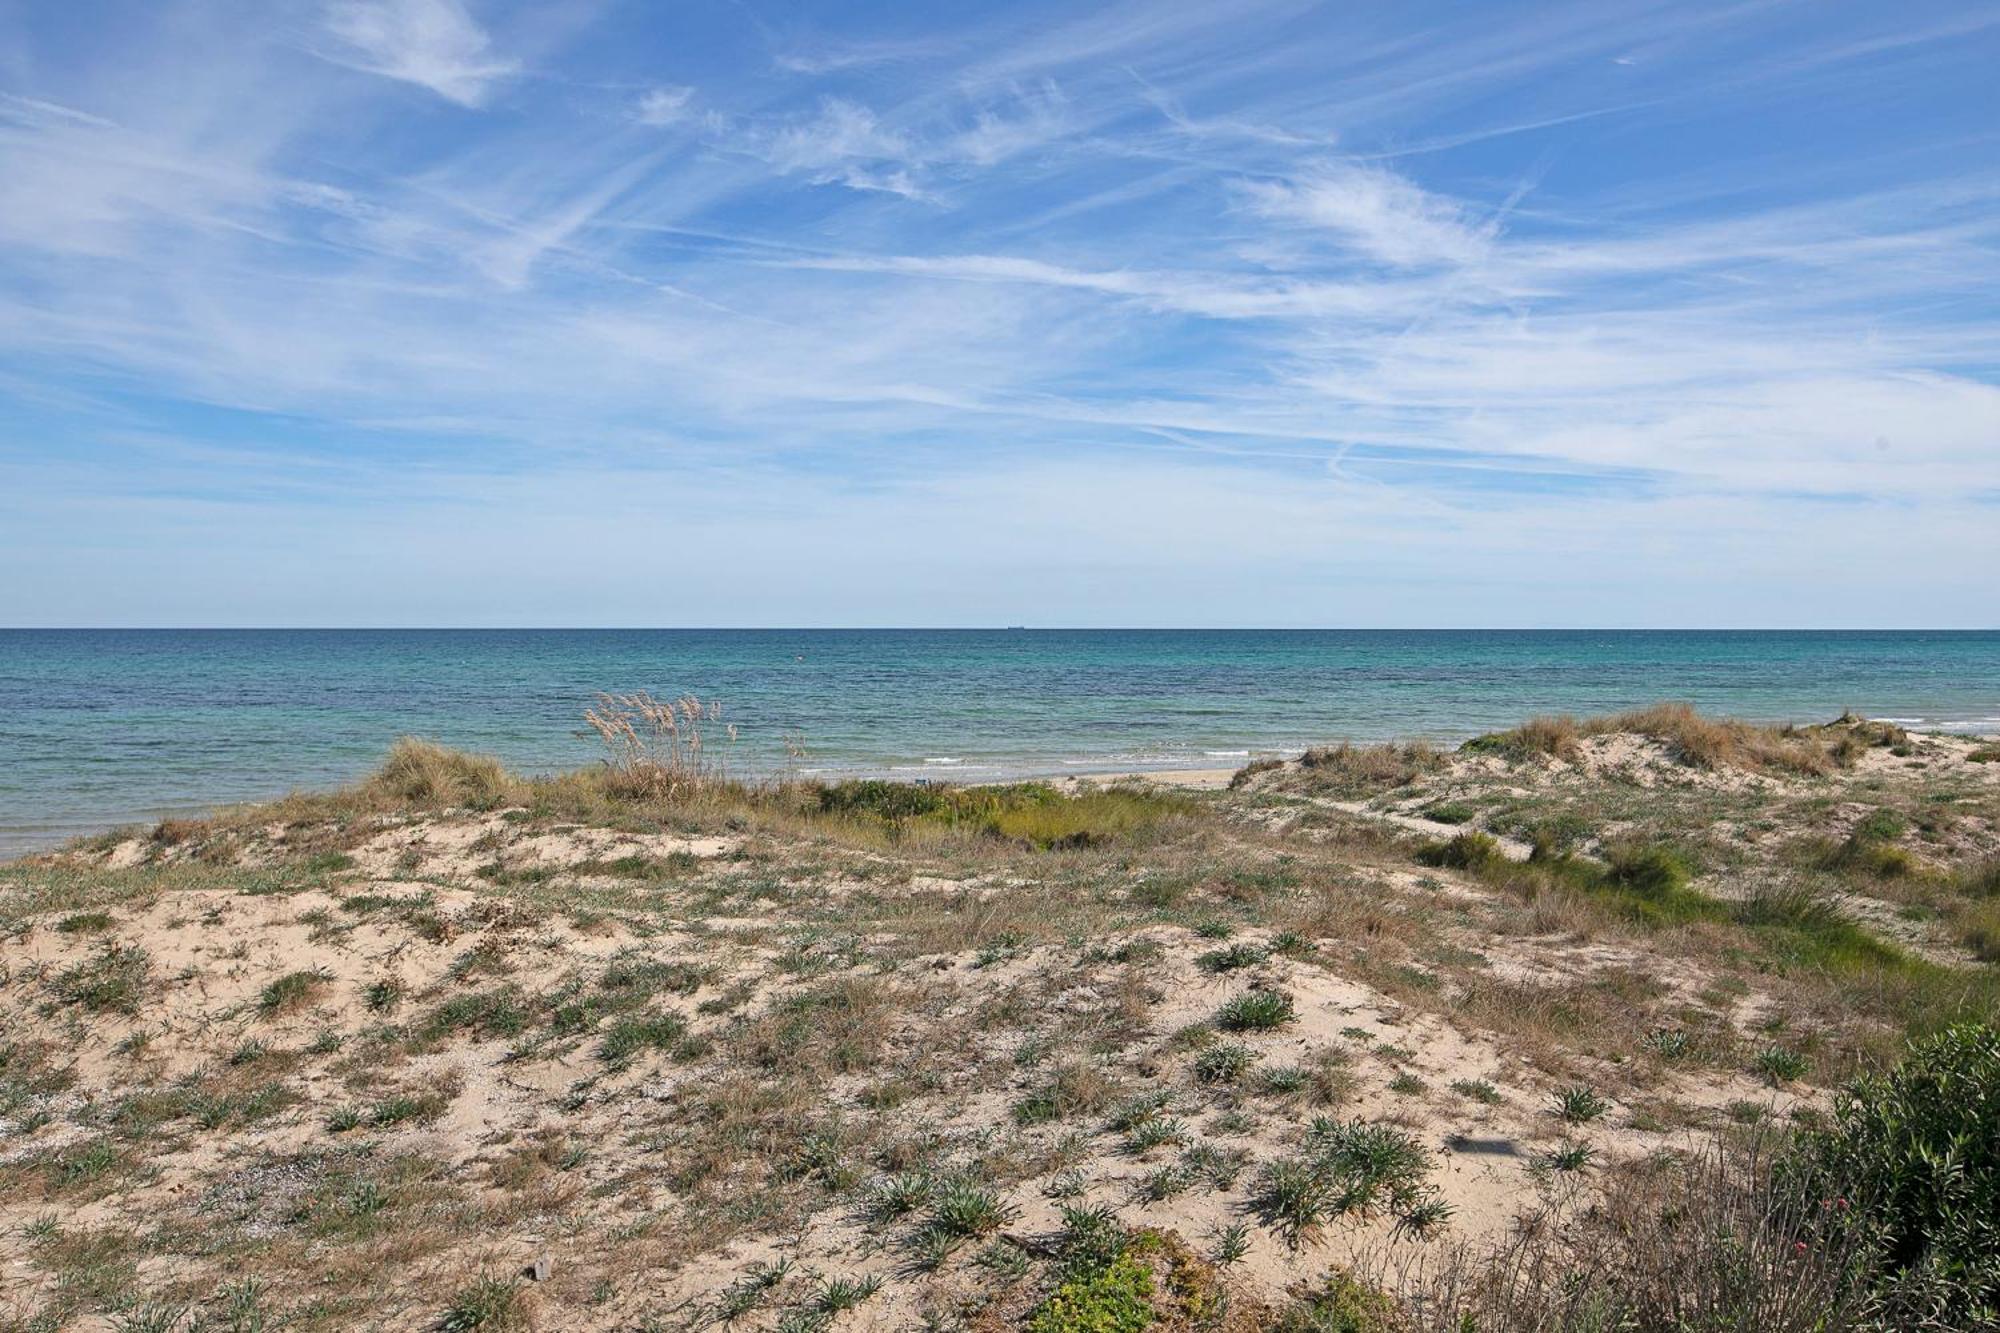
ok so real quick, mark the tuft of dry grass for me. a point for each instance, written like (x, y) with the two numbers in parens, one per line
(1366, 769)
(1709, 1243)
(1552, 736)
(422, 773)
(1705, 742)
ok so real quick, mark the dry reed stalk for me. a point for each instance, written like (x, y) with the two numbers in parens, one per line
(660, 747)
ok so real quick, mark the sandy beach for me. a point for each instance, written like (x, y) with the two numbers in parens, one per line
(699, 1048)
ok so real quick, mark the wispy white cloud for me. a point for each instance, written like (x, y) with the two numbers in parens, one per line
(1042, 283)
(1379, 213)
(435, 44)
(664, 106)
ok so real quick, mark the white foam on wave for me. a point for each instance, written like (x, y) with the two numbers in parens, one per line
(1226, 754)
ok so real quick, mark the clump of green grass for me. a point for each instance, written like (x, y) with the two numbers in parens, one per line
(1349, 1167)
(290, 991)
(499, 1012)
(1224, 1062)
(383, 994)
(1651, 871)
(84, 923)
(1669, 1043)
(1780, 1064)
(900, 1194)
(1033, 814)
(1579, 1105)
(486, 1303)
(1979, 930)
(1255, 1011)
(1472, 851)
(112, 980)
(1570, 1157)
(640, 1032)
(1232, 957)
(966, 1208)
(1477, 1089)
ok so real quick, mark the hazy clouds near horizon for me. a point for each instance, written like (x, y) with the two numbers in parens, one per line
(446, 312)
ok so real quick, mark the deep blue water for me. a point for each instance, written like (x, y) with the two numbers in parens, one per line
(99, 727)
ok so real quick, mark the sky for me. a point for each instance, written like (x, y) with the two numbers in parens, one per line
(457, 312)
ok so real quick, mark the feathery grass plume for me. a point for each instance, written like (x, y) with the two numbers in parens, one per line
(660, 747)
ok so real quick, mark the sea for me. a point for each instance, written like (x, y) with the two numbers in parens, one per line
(106, 727)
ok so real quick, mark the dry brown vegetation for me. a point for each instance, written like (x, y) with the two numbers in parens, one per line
(802, 1057)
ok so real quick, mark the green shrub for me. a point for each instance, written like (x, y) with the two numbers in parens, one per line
(1116, 1298)
(1340, 1303)
(1912, 1157)
(884, 800)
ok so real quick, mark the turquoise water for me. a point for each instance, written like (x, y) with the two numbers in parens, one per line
(101, 727)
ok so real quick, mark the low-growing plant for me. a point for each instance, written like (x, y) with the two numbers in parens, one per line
(1116, 1298)
(1347, 1167)
(965, 1208)
(1223, 1063)
(1781, 1065)
(1155, 1132)
(1473, 851)
(487, 1302)
(112, 980)
(289, 991)
(1478, 1089)
(1232, 957)
(1231, 1243)
(1256, 1010)
(1571, 1157)
(640, 1032)
(1579, 1105)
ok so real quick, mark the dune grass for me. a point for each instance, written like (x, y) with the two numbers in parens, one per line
(1703, 742)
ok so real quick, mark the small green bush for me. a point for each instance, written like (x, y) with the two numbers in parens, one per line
(1341, 1303)
(1116, 1298)
(1913, 1158)
(884, 800)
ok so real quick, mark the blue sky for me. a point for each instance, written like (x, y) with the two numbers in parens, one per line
(456, 312)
